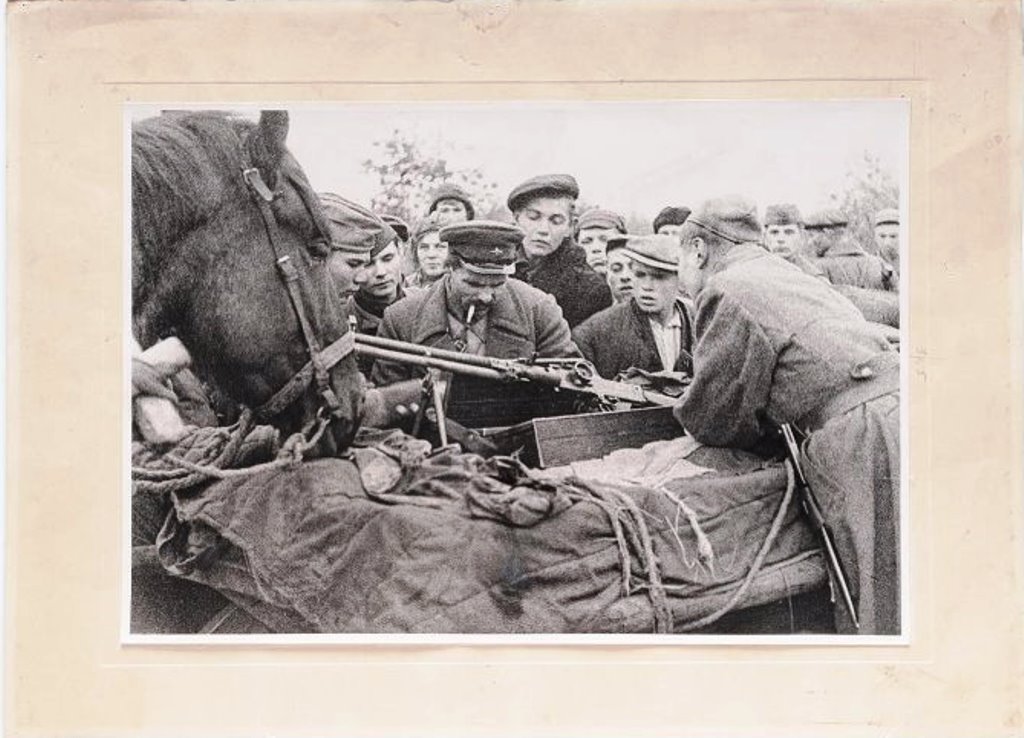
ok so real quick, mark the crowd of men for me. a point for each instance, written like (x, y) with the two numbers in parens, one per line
(774, 320)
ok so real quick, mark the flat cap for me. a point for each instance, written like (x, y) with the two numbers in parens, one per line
(617, 242)
(485, 246)
(354, 227)
(782, 214)
(598, 218)
(656, 251)
(672, 215)
(398, 225)
(889, 215)
(732, 217)
(451, 191)
(546, 185)
(829, 218)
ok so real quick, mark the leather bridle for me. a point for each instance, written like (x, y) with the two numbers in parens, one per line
(321, 361)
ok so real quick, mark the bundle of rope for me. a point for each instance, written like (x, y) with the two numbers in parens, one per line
(634, 538)
(207, 453)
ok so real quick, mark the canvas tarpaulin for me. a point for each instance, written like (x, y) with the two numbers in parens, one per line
(392, 541)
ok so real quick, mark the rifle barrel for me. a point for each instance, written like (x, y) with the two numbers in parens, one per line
(432, 362)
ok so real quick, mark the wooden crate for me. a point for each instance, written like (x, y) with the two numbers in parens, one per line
(547, 442)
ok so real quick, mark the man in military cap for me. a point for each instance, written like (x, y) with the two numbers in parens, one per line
(593, 229)
(774, 346)
(887, 236)
(543, 207)
(620, 269)
(652, 330)
(475, 307)
(670, 220)
(841, 258)
(429, 253)
(784, 236)
(451, 203)
(355, 232)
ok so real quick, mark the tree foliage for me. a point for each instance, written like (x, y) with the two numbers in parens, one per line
(408, 172)
(868, 188)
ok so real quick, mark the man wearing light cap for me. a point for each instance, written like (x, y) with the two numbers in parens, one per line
(355, 232)
(774, 346)
(543, 207)
(670, 220)
(652, 330)
(451, 204)
(593, 230)
(887, 236)
(475, 307)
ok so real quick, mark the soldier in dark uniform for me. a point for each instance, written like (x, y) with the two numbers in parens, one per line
(670, 220)
(653, 329)
(784, 236)
(451, 204)
(774, 346)
(543, 208)
(593, 229)
(475, 307)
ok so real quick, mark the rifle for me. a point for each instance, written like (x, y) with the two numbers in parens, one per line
(572, 375)
(813, 511)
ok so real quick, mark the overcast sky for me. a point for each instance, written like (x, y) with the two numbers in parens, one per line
(628, 156)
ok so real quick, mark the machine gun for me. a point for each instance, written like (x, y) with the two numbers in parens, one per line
(571, 375)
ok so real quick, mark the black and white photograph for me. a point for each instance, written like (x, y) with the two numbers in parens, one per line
(523, 371)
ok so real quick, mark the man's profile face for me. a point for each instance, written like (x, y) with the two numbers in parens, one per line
(654, 290)
(547, 222)
(384, 274)
(690, 272)
(451, 210)
(595, 244)
(467, 288)
(348, 269)
(887, 239)
(620, 275)
(670, 229)
(431, 254)
(784, 239)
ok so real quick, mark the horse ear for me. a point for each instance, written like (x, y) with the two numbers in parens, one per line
(267, 145)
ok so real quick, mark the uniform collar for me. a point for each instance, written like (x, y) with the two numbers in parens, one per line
(504, 314)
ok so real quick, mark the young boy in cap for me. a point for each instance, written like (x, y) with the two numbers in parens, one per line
(451, 204)
(355, 233)
(774, 346)
(620, 269)
(887, 236)
(593, 230)
(475, 307)
(543, 207)
(429, 253)
(670, 220)
(652, 330)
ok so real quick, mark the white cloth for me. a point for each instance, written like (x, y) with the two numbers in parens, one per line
(668, 338)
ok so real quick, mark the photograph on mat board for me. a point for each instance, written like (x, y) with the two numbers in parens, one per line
(564, 371)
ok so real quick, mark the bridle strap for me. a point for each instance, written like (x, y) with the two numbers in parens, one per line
(320, 361)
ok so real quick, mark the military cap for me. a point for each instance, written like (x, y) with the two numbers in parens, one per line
(829, 218)
(430, 224)
(546, 185)
(889, 215)
(398, 225)
(657, 251)
(354, 227)
(672, 215)
(597, 218)
(732, 217)
(782, 214)
(450, 191)
(485, 246)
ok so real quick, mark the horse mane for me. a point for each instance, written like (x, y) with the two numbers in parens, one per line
(182, 170)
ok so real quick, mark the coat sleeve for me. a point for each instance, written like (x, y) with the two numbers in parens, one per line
(388, 372)
(584, 336)
(734, 361)
(553, 339)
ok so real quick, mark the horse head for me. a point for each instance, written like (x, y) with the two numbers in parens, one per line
(229, 249)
